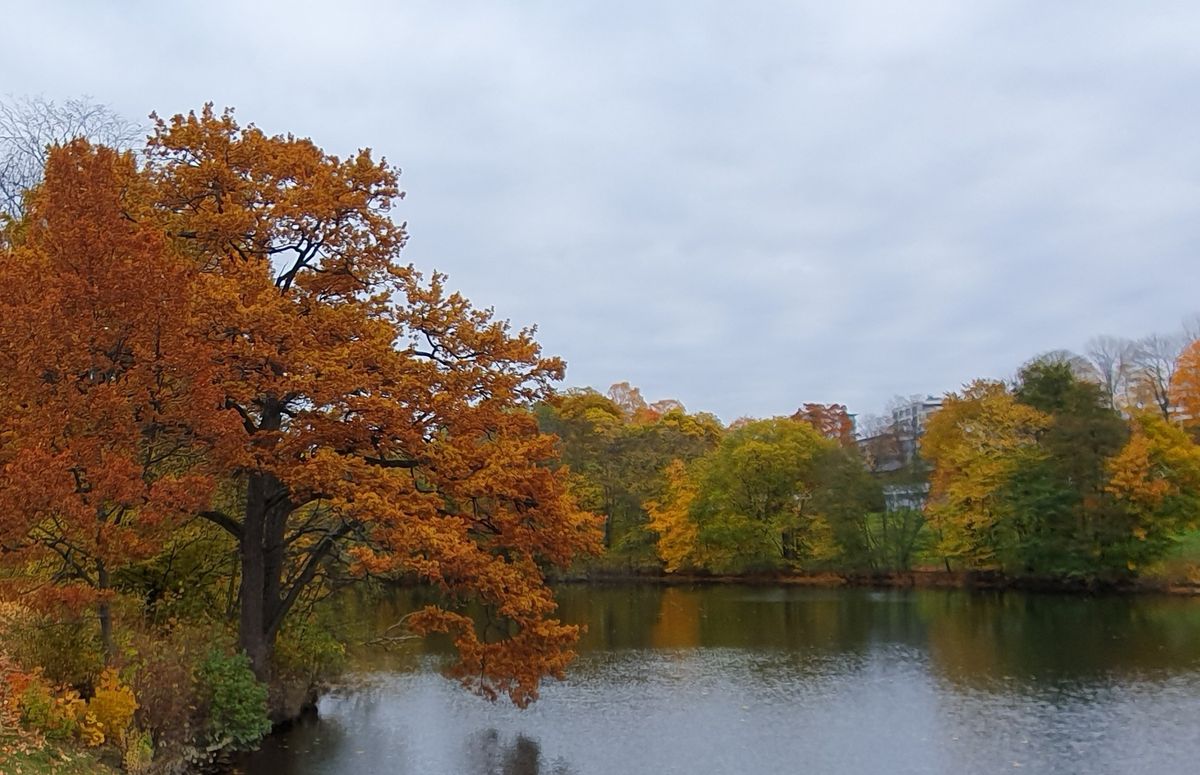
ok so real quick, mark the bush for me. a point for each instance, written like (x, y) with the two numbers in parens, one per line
(237, 702)
(57, 716)
(164, 668)
(68, 652)
(112, 706)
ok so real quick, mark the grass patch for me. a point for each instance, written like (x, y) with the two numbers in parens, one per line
(1182, 563)
(20, 757)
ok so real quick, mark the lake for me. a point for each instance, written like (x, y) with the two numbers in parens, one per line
(748, 679)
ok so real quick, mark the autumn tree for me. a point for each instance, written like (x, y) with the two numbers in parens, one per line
(105, 394)
(618, 455)
(1185, 385)
(976, 443)
(671, 518)
(830, 420)
(354, 411)
(754, 491)
(1155, 479)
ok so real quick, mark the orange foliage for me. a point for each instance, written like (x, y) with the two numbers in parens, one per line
(102, 382)
(1185, 386)
(234, 311)
(1157, 476)
(831, 420)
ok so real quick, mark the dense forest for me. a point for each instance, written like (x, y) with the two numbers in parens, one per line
(223, 399)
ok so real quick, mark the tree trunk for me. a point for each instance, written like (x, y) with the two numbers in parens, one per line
(252, 619)
(104, 613)
(262, 556)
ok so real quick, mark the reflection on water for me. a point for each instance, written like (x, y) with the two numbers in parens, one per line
(487, 753)
(765, 680)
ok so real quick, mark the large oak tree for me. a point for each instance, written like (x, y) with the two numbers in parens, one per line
(330, 402)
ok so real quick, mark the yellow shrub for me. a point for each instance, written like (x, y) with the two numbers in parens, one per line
(112, 706)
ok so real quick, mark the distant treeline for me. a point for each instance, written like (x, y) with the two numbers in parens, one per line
(1079, 467)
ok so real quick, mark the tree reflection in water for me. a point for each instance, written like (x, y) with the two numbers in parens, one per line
(488, 754)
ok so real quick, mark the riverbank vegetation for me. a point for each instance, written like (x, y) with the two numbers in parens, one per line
(223, 398)
(1055, 476)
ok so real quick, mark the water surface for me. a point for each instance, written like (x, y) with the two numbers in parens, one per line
(729, 679)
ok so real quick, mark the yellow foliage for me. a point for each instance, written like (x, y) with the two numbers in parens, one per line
(91, 731)
(823, 545)
(1133, 476)
(113, 706)
(1157, 476)
(975, 443)
(670, 518)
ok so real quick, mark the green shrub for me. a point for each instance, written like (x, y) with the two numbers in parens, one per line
(68, 652)
(237, 702)
(55, 716)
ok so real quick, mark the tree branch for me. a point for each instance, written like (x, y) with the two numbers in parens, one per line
(223, 520)
(392, 463)
(311, 565)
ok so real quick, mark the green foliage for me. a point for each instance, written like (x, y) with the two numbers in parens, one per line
(1063, 520)
(896, 538)
(68, 651)
(237, 702)
(754, 496)
(846, 495)
(188, 579)
(617, 448)
(55, 716)
(307, 649)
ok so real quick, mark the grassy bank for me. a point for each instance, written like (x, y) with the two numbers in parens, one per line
(21, 756)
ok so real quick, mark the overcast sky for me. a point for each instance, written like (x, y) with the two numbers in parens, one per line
(745, 206)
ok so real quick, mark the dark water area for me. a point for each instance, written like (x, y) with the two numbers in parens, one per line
(731, 679)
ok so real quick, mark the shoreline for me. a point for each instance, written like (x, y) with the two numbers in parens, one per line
(915, 579)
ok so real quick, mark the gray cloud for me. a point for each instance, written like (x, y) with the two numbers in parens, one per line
(744, 206)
